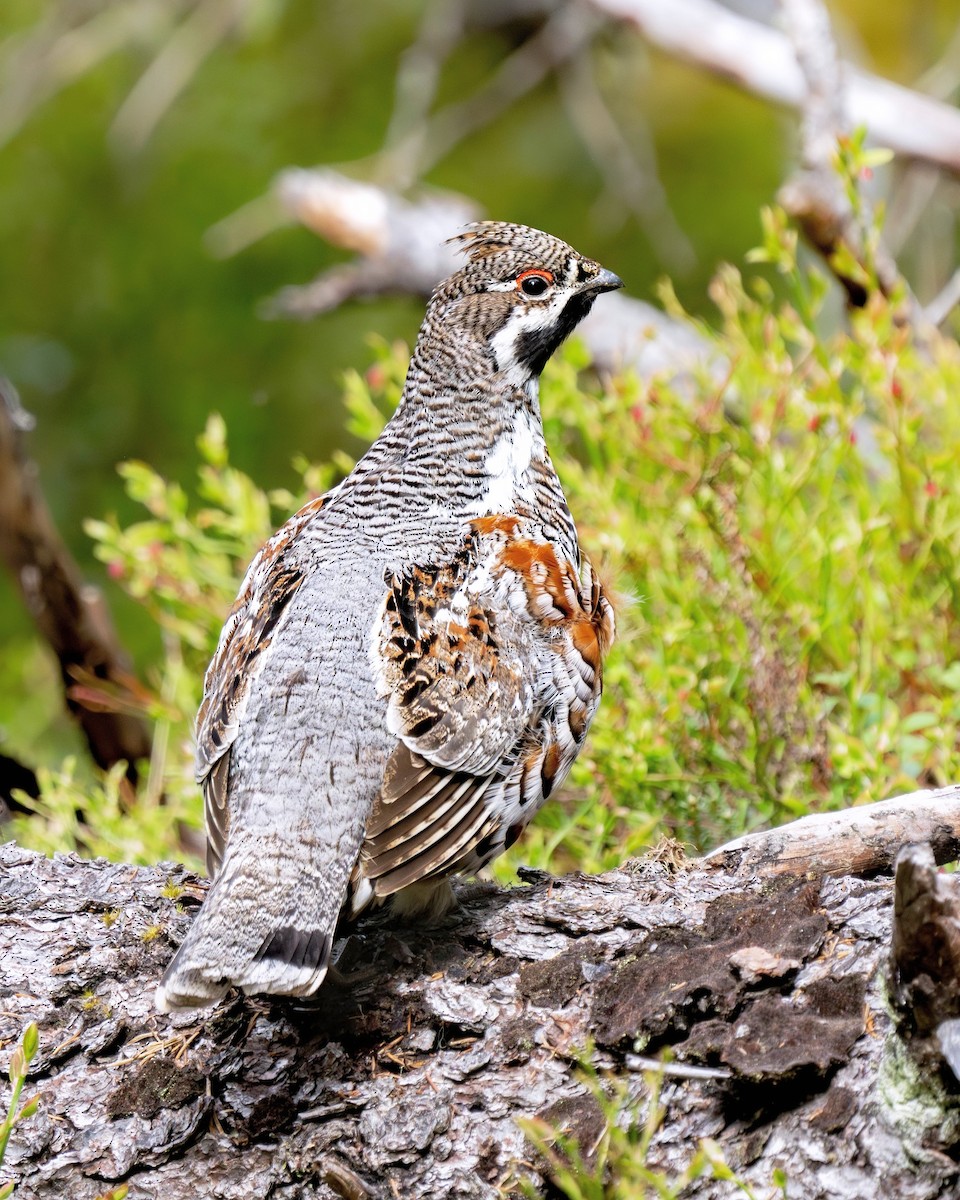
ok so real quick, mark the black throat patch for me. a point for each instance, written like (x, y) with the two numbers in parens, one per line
(535, 346)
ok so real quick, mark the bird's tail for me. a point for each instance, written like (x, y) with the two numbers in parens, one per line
(265, 926)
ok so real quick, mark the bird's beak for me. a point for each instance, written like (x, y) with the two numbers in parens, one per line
(603, 281)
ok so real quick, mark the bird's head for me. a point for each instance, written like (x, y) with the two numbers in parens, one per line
(520, 294)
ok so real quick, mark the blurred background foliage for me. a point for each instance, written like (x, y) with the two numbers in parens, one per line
(129, 130)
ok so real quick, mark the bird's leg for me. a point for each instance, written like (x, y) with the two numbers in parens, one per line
(344, 971)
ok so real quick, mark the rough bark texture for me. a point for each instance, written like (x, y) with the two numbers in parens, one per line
(70, 614)
(410, 1081)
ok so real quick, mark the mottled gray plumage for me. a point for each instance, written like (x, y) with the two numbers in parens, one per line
(414, 659)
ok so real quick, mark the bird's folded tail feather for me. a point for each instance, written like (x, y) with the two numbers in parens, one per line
(247, 936)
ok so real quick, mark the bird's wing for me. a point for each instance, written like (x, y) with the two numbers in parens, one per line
(491, 667)
(271, 582)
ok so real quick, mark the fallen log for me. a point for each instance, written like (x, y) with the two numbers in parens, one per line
(744, 1015)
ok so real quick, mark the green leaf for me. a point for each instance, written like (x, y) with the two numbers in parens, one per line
(31, 1040)
(876, 156)
(919, 720)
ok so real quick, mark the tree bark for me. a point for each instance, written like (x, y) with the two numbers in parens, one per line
(70, 614)
(771, 994)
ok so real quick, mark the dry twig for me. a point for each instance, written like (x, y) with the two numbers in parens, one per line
(634, 179)
(815, 196)
(403, 250)
(566, 33)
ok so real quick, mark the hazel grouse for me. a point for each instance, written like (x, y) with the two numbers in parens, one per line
(414, 659)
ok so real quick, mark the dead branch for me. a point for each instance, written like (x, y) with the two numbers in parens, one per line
(815, 196)
(762, 60)
(942, 305)
(401, 243)
(632, 177)
(858, 840)
(419, 67)
(564, 34)
(403, 250)
(70, 614)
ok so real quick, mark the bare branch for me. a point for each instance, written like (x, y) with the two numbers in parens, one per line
(635, 182)
(65, 44)
(761, 60)
(418, 75)
(943, 305)
(856, 841)
(403, 250)
(910, 202)
(564, 34)
(815, 196)
(824, 108)
(70, 614)
(401, 242)
(205, 27)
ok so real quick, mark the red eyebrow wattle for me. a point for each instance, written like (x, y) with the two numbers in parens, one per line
(547, 275)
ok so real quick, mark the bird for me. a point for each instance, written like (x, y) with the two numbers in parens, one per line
(414, 658)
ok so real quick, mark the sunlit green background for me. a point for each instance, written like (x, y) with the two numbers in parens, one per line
(122, 331)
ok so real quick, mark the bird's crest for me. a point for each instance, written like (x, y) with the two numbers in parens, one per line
(482, 239)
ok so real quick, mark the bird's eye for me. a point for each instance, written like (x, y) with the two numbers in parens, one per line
(534, 283)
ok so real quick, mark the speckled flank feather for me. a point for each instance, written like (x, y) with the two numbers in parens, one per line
(414, 660)
(491, 668)
(270, 583)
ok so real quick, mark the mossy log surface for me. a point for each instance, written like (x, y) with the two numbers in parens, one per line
(410, 1081)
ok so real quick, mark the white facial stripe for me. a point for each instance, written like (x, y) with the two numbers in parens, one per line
(524, 320)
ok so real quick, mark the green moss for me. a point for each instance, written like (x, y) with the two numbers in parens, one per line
(919, 1107)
